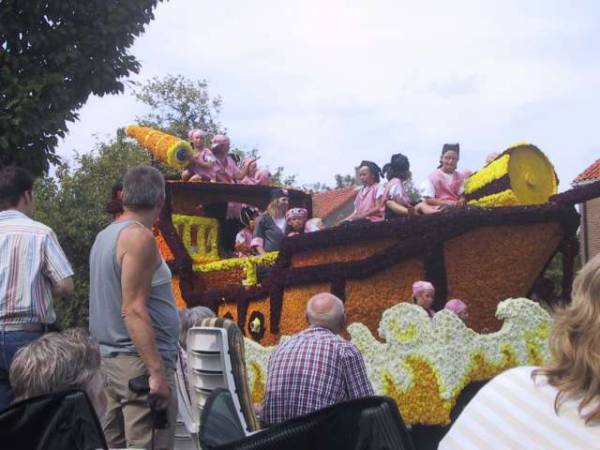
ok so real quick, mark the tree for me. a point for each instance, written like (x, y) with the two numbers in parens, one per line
(178, 105)
(53, 55)
(342, 181)
(73, 204)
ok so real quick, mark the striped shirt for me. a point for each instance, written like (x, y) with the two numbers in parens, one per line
(514, 412)
(30, 258)
(312, 370)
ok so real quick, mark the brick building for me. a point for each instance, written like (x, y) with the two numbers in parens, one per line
(589, 234)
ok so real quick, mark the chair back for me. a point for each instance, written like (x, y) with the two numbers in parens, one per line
(54, 421)
(220, 423)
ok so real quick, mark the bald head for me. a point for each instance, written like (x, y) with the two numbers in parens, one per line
(327, 311)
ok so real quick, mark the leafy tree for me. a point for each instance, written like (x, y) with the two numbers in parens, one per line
(53, 55)
(73, 204)
(342, 181)
(178, 105)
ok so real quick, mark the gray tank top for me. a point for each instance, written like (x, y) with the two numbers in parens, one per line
(106, 320)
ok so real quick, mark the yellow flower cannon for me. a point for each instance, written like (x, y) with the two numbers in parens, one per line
(522, 175)
(168, 148)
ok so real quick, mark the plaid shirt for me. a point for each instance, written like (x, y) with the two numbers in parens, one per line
(310, 371)
(30, 258)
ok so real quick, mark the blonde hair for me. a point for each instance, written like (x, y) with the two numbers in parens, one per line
(276, 208)
(575, 345)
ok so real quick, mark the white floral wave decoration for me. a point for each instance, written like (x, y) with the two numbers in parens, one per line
(425, 363)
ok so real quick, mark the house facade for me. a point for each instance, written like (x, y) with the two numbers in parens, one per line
(589, 234)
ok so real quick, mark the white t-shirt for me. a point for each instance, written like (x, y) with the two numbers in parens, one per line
(427, 189)
(513, 412)
(281, 222)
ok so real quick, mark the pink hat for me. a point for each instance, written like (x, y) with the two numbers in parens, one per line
(219, 139)
(456, 306)
(196, 132)
(296, 213)
(421, 286)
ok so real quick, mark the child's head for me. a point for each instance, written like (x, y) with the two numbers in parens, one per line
(248, 216)
(196, 137)
(398, 167)
(423, 293)
(314, 224)
(296, 218)
(220, 144)
(369, 173)
(458, 307)
(449, 158)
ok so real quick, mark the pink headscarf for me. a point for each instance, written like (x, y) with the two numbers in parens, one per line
(421, 286)
(296, 213)
(456, 306)
(219, 139)
(196, 132)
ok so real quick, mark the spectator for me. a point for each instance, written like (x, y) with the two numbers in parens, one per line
(296, 219)
(396, 198)
(445, 186)
(556, 406)
(367, 204)
(314, 368)
(57, 362)
(458, 307)
(423, 295)
(271, 225)
(114, 206)
(133, 315)
(33, 268)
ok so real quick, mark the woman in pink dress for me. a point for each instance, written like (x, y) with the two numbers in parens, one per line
(444, 187)
(201, 167)
(243, 240)
(225, 168)
(366, 204)
(396, 199)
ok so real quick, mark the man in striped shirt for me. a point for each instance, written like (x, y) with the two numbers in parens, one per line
(314, 368)
(33, 269)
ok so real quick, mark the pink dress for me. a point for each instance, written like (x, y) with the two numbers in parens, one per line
(205, 156)
(366, 199)
(243, 237)
(394, 190)
(225, 170)
(447, 187)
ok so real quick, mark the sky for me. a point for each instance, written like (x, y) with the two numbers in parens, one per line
(319, 86)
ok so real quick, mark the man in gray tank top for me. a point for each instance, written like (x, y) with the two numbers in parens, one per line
(133, 315)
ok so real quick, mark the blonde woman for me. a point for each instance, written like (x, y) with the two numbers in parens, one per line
(271, 226)
(553, 407)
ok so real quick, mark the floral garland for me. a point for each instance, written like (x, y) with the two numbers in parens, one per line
(205, 247)
(168, 148)
(249, 265)
(493, 171)
(425, 363)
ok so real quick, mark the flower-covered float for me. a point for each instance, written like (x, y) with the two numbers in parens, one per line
(492, 250)
(424, 364)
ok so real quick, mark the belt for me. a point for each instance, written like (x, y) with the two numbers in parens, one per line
(41, 327)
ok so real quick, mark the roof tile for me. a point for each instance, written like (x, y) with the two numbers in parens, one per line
(326, 202)
(592, 173)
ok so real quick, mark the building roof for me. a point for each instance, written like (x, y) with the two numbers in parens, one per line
(590, 174)
(327, 202)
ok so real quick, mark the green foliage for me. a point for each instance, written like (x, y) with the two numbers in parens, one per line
(53, 55)
(178, 105)
(73, 205)
(342, 181)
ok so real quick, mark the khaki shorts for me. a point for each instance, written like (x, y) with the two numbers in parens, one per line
(128, 419)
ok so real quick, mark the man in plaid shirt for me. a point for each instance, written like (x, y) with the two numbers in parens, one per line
(314, 368)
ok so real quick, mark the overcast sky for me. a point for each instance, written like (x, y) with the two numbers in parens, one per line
(318, 86)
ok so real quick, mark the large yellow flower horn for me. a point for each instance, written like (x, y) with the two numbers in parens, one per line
(168, 148)
(521, 175)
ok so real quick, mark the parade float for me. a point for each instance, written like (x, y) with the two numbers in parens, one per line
(492, 250)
